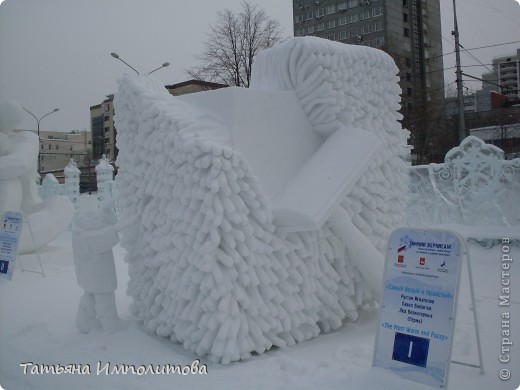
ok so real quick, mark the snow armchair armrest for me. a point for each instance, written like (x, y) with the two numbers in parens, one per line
(309, 199)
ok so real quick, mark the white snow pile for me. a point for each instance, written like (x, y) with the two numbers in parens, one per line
(208, 267)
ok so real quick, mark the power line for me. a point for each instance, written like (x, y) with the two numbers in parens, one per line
(506, 15)
(497, 44)
(453, 67)
(476, 48)
(475, 58)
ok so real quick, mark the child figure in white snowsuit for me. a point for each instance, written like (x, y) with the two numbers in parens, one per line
(93, 236)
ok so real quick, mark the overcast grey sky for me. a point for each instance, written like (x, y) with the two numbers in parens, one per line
(56, 53)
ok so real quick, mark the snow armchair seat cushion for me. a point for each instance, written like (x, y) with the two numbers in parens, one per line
(210, 265)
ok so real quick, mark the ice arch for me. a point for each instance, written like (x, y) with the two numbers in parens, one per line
(226, 259)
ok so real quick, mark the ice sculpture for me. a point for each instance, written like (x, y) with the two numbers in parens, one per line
(474, 186)
(18, 191)
(263, 212)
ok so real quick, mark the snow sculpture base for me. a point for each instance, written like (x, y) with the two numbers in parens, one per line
(220, 260)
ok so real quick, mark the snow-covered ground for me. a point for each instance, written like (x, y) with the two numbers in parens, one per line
(37, 325)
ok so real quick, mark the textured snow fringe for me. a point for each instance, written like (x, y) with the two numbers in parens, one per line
(207, 266)
(354, 86)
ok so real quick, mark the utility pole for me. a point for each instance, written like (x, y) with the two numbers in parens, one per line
(460, 94)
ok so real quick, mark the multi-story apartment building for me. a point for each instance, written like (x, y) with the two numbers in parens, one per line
(103, 130)
(104, 133)
(505, 77)
(408, 30)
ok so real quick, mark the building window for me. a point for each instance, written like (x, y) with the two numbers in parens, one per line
(332, 23)
(320, 12)
(405, 3)
(107, 140)
(344, 34)
(310, 30)
(342, 6)
(377, 11)
(406, 32)
(366, 29)
(342, 21)
(320, 27)
(409, 91)
(408, 62)
(405, 17)
(49, 147)
(380, 41)
(378, 26)
(408, 76)
(331, 9)
(310, 15)
(364, 15)
(354, 18)
(57, 147)
(331, 37)
(353, 3)
(407, 46)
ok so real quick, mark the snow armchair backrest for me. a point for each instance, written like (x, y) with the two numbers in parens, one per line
(351, 97)
(337, 84)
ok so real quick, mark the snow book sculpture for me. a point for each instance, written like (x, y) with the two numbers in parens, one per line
(262, 213)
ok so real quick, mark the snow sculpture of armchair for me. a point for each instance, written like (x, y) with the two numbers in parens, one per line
(264, 211)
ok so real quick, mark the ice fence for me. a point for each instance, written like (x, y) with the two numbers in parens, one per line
(208, 266)
(474, 186)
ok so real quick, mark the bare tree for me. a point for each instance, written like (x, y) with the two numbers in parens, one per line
(233, 43)
(506, 129)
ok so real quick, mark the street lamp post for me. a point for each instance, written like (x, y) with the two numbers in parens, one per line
(38, 120)
(116, 56)
(160, 67)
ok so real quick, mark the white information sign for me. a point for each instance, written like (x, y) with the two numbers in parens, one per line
(10, 228)
(417, 313)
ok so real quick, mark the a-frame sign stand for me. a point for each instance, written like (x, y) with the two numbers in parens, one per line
(480, 366)
(419, 305)
(10, 229)
(36, 250)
